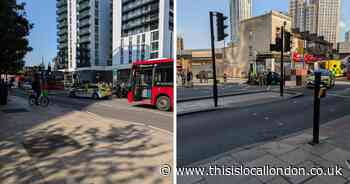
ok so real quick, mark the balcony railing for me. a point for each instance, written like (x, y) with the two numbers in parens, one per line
(137, 4)
(61, 3)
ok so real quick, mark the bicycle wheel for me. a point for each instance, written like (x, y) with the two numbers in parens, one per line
(44, 101)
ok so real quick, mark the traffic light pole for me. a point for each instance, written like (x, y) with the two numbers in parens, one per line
(215, 86)
(282, 62)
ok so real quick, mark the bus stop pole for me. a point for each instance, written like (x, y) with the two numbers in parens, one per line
(215, 87)
(316, 127)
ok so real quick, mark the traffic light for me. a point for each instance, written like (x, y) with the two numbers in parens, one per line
(279, 43)
(221, 26)
(278, 46)
(287, 41)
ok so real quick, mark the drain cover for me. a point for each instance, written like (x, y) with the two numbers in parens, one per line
(46, 145)
(8, 111)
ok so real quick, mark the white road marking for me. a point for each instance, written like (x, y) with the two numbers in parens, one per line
(336, 95)
(117, 106)
(136, 123)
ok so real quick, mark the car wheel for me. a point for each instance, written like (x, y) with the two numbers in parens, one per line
(72, 94)
(95, 96)
(163, 103)
(31, 100)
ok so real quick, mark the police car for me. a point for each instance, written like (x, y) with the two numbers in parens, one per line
(91, 91)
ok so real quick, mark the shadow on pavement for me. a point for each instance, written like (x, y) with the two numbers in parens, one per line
(56, 145)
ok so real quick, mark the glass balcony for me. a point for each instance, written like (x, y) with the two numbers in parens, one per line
(84, 6)
(61, 3)
(84, 39)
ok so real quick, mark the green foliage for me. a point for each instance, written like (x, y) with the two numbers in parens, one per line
(14, 30)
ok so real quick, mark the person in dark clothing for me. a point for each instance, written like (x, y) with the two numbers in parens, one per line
(36, 88)
(269, 80)
(189, 78)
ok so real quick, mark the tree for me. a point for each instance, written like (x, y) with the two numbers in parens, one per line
(14, 30)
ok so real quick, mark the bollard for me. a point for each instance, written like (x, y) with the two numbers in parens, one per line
(316, 127)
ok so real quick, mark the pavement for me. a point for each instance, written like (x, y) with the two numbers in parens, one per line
(62, 145)
(291, 150)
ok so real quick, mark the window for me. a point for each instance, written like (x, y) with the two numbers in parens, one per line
(154, 55)
(155, 36)
(138, 47)
(130, 50)
(164, 75)
(155, 46)
(143, 52)
(122, 51)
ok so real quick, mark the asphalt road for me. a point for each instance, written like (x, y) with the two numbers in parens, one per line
(204, 91)
(203, 135)
(116, 109)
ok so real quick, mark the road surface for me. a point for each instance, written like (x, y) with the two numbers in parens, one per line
(207, 134)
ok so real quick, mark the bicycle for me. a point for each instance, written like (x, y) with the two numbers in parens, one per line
(43, 99)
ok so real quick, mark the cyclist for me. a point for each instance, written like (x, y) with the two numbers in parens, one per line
(36, 87)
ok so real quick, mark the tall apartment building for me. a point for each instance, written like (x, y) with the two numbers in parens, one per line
(142, 29)
(180, 43)
(347, 36)
(317, 16)
(239, 10)
(84, 29)
(67, 33)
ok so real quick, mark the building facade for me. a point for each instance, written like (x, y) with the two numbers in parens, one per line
(256, 35)
(142, 30)
(84, 42)
(317, 16)
(67, 34)
(347, 36)
(239, 10)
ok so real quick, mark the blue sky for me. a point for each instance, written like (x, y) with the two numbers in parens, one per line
(43, 36)
(192, 23)
(193, 18)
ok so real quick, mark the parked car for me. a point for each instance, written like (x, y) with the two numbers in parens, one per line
(327, 79)
(91, 91)
(275, 78)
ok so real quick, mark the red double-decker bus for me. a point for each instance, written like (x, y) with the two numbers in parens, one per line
(152, 82)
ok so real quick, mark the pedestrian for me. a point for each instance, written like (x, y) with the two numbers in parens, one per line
(225, 78)
(206, 77)
(260, 79)
(269, 80)
(183, 78)
(201, 76)
(189, 79)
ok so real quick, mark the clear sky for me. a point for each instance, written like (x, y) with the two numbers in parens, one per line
(43, 37)
(192, 23)
(193, 18)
